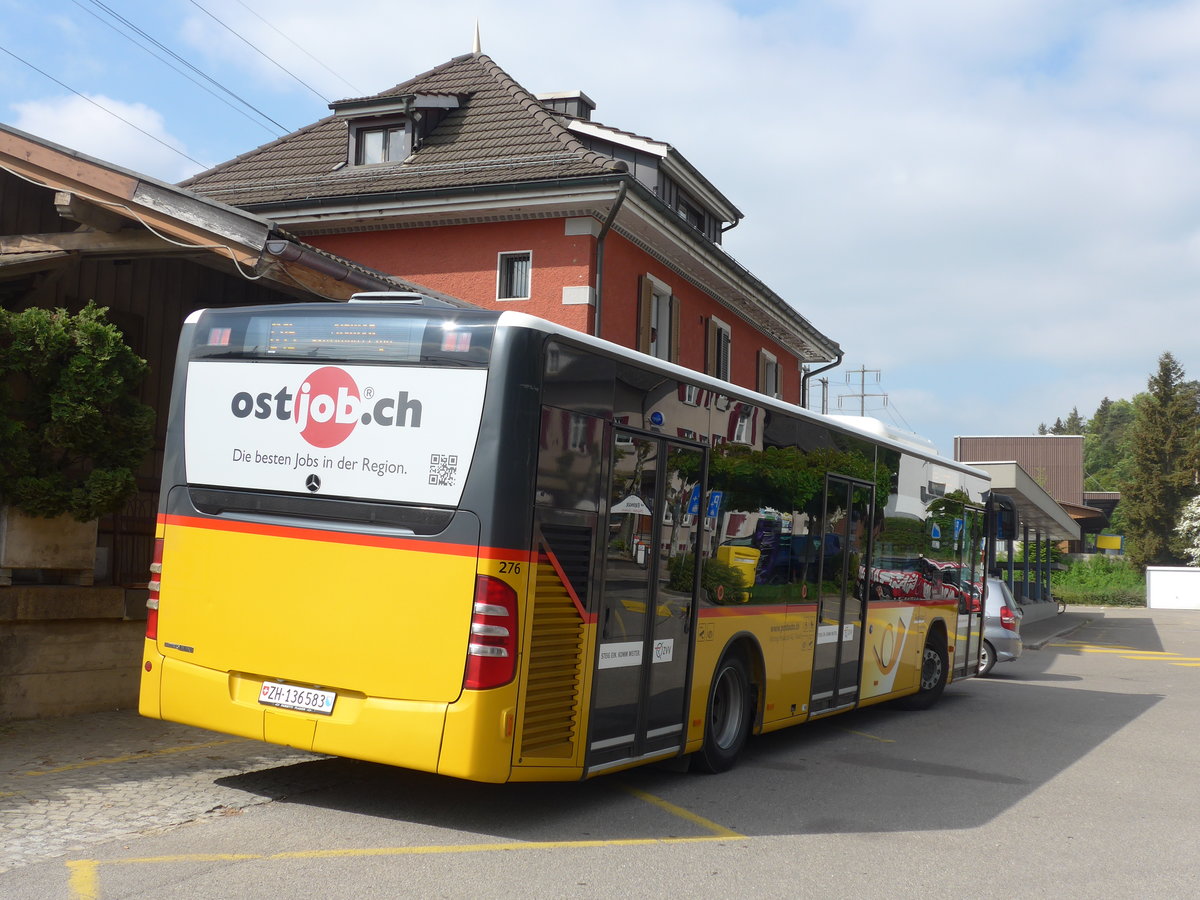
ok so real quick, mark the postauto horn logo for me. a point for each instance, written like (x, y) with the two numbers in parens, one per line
(328, 406)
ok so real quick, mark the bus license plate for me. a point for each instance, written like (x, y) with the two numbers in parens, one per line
(287, 696)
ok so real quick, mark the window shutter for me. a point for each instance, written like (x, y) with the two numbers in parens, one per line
(645, 302)
(763, 362)
(675, 304)
(710, 351)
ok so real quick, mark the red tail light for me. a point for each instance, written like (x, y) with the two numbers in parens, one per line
(154, 585)
(1008, 618)
(492, 653)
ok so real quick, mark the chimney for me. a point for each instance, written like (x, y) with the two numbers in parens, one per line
(569, 103)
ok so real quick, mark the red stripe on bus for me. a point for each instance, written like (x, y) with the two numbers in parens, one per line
(589, 618)
(342, 537)
(716, 612)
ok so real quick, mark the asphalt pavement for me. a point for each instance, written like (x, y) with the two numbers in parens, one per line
(69, 782)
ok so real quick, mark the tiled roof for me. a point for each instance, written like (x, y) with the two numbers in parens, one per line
(499, 134)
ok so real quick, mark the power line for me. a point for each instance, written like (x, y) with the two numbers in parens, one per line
(270, 25)
(167, 62)
(132, 27)
(862, 395)
(258, 51)
(104, 108)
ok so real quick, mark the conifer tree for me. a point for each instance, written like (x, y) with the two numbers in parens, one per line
(1163, 465)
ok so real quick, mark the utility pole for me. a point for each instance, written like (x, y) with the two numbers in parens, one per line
(862, 372)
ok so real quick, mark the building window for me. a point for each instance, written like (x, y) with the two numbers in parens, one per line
(513, 276)
(768, 374)
(577, 437)
(743, 428)
(719, 342)
(690, 213)
(379, 145)
(658, 319)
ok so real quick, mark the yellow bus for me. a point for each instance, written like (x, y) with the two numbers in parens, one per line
(483, 545)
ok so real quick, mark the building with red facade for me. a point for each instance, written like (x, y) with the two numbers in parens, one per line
(463, 181)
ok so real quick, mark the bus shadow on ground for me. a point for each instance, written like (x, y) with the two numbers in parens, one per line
(981, 750)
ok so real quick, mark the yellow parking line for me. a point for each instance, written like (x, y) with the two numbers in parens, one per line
(85, 881)
(718, 830)
(1093, 648)
(145, 754)
(869, 736)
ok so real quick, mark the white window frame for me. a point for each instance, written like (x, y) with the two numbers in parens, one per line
(771, 386)
(577, 433)
(502, 260)
(743, 429)
(661, 338)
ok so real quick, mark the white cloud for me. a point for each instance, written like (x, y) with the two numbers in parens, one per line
(994, 202)
(92, 126)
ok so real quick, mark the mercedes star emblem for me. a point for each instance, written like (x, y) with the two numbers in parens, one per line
(313, 483)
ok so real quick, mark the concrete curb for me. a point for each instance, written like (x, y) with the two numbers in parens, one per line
(1042, 633)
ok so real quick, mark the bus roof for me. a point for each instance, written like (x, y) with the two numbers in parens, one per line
(513, 319)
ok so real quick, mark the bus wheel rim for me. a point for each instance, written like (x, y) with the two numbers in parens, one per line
(931, 671)
(728, 707)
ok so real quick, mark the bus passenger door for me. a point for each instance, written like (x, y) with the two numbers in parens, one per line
(646, 616)
(841, 594)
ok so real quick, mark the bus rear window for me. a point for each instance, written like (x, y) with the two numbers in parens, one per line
(416, 336)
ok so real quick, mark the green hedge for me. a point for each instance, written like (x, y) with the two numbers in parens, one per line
(1100, 581)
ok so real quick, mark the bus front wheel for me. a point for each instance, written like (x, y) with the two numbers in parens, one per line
(730, 708)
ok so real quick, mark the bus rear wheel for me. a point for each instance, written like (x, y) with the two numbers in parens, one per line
(730, 707)
(934, 671)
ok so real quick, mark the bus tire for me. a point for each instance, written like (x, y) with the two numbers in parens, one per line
(730, 709)
(934, 671)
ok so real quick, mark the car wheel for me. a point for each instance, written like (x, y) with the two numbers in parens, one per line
(730, 707)
(934, 671)
(987, 659)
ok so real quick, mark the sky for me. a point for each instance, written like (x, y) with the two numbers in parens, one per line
(992, 206)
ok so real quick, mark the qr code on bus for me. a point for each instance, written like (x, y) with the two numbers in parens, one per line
(443, 469)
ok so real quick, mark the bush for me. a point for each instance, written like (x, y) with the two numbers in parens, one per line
(72, 429)
(714, 575)
(1100, 581)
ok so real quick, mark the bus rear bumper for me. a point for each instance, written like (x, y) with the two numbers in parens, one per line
(404, 733)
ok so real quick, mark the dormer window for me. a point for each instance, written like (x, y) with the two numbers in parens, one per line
(380, 145)
(389, 129)
(380, 142)
(690, 213)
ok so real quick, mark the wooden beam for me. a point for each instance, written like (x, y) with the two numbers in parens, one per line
(132, 242)
(170, 211)
(77, 209)
(16, 265)
(61, 168)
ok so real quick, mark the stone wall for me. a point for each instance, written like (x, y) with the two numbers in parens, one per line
(66, 649)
